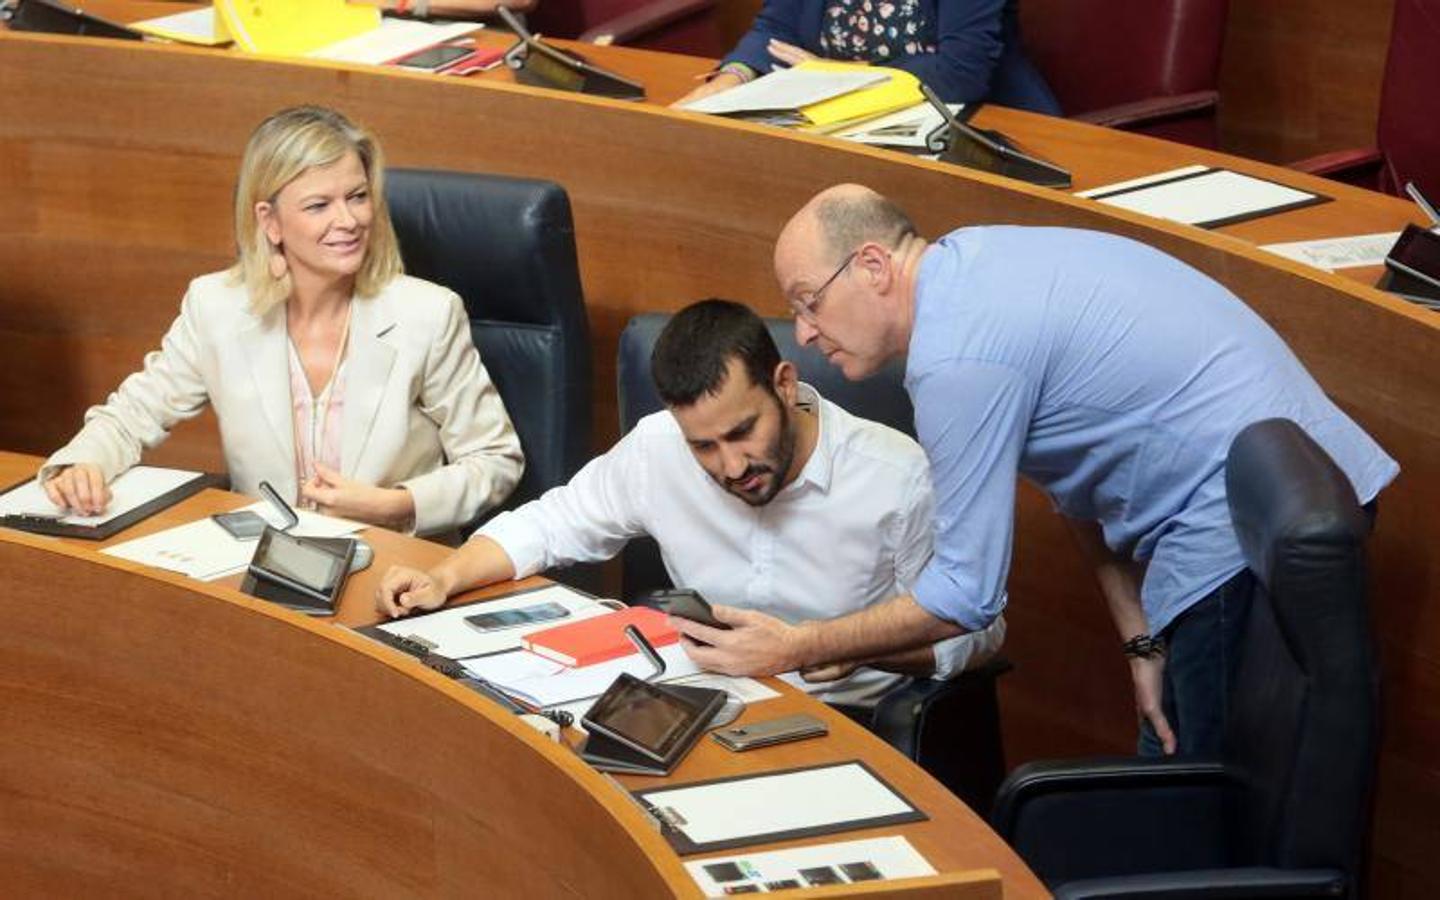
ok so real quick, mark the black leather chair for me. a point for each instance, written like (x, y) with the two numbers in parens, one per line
(507, 247)
(950, 728)
(1284, 811)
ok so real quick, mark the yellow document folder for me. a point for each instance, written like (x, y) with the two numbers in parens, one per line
(294, 27)
(899, 91)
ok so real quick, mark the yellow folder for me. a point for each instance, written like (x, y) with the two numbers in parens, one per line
(899, 91)
(294, 27)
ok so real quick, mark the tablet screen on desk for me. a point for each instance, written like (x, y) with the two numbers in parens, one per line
(649, 719)
(306, 564)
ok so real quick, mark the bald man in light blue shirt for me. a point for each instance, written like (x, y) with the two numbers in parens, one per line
(1108, 373)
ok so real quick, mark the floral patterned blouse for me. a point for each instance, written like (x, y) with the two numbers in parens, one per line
(875, 30)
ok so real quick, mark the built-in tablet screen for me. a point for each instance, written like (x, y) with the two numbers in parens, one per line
(648, 717)
(303, 563)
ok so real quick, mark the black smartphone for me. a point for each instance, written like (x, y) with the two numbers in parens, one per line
(243, 525)
(514, 618)
(687, 604)
(437, 58)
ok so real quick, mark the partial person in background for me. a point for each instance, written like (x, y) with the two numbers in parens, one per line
(965, 50)
(347, 385)
(768, 499)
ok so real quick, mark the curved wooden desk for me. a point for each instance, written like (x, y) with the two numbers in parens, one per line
(180, 737)
(119, 163)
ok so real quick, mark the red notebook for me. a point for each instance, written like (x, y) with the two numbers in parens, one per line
(595, 640)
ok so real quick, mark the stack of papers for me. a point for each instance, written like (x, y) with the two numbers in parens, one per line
(447, 633)
(919, 128)
(817, 95)
(204, 550)
(393, 39)
(539, 682)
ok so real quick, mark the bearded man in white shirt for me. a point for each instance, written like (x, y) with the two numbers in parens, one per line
(775, 504)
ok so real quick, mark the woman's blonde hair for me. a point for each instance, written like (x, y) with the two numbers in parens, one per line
(284, 147)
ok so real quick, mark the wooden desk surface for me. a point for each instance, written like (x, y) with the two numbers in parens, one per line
(954, 840)
(119, 162)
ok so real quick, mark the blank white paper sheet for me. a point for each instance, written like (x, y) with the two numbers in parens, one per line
(1202, 196)
(794, 803)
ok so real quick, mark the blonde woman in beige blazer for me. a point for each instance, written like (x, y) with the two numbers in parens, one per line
(347, 385)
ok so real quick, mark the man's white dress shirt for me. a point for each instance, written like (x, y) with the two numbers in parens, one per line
(853, 529)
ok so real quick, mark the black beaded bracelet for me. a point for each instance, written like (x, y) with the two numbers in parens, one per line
(1143, 646)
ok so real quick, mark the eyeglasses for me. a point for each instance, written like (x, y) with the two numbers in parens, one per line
(804, 305)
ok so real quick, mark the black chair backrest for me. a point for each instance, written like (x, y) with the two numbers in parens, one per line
(880, 398)
(507, 247)
(1304, 718)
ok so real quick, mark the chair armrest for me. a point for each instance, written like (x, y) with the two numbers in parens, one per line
(1115, 816)
(644, 20)
(1340, 163)
(1152, 109)
(951, 729)
(1210, 884)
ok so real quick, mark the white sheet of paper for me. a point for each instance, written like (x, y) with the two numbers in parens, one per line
(1205, 198)
(871, 859)
(393, 39)
(203, 550)
(769, 804)
(1340, 252)
(196, 26)
(1142, 180)
(133, 488)
(450, 635)
(784, 89)
(908, 127)
(544, 683)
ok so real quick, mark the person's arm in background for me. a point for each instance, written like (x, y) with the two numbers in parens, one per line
(586, 520)
(777, 20)
(138, 415)
(969, 44)
(1120, 579)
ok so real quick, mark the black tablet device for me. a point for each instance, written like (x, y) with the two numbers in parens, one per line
(659, 724)
(305, 574)
(545, 65)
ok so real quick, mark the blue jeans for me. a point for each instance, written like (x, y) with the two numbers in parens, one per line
(1202, 646)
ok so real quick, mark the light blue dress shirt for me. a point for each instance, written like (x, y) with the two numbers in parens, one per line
(1114, 377)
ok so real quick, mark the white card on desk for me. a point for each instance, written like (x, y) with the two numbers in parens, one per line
(1340, 252)
(132, 489)
(844, 862)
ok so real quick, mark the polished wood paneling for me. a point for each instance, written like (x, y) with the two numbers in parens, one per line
(1302, 78)
(670, 207)
(180, 737)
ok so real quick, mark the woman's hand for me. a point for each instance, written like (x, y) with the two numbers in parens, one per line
(79, 488)
(789, 54)
(333, 494)
(722, 81)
